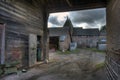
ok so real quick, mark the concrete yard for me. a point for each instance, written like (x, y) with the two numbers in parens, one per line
(81, 65)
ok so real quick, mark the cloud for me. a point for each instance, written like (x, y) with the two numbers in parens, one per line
(53, 20)
(57, 19)
(94, 18)
(88, 16)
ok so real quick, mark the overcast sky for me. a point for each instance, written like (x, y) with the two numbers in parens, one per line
(94, 18)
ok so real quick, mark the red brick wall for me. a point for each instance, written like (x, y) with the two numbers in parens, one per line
(86, 41)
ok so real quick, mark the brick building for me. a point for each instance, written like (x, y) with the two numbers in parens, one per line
(85, 37)
(60, 38)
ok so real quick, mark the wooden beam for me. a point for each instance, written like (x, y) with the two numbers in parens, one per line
(77, 7)
(69, 3)
(2, 44)
(45, 33)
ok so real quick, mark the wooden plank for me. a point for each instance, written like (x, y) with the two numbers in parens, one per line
(2, 61)
(69, 3)
(22, 12)
(45, 34)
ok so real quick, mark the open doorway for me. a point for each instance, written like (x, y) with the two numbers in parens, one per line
(87, 29)
(39, 48)
(54, 43)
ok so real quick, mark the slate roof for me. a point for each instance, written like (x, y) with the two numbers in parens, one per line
(85, 32)
(75, 31)
(68, 23)
(57, 31)
(63, 30)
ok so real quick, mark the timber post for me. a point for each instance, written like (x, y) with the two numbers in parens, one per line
(113, 40)
(45, 34)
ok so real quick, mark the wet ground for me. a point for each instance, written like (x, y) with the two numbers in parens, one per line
(82, 65)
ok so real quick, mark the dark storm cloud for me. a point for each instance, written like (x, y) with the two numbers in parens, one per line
(93, 18)
(89, 16)
(53, 20)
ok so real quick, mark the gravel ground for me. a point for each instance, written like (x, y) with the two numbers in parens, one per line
(78, 66)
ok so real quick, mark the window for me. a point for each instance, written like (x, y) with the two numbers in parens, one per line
(62, 38)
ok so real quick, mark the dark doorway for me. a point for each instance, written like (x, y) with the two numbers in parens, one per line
(39, 48)
(54, 43)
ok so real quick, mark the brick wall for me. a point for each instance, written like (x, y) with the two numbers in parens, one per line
(86, 41)
(66, 44)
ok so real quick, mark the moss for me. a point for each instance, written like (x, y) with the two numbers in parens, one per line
(99, 66)
(1, 71)
(10, 70)
(14, 63)
(9, 67)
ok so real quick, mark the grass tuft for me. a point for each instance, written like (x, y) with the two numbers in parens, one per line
(99, 66)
